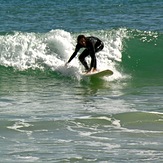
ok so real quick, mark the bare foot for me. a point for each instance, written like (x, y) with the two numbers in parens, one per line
(93, 70)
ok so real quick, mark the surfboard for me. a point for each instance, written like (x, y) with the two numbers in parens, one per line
(101, 73)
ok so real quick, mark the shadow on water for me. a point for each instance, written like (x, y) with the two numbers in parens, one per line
(94, 84)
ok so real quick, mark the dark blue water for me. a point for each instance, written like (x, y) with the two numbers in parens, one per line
(51, 113)
(74, 16)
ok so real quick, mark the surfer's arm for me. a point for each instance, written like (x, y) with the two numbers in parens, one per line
(74, 54)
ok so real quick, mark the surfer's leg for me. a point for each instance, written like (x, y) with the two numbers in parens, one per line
(93, 63)
(82, 56)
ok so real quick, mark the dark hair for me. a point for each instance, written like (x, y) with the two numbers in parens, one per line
(80, 37)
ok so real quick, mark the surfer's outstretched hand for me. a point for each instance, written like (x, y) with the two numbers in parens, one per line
(66, 64)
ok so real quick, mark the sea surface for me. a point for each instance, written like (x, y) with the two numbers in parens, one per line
(50, 112)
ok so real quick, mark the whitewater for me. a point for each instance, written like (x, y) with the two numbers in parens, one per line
(51, 50)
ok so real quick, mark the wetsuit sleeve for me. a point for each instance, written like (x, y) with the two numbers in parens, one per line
(75, 53)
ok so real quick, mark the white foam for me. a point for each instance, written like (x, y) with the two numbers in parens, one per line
(21, 124)
(27, 158)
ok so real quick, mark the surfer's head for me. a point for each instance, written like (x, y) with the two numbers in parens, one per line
(81, 40)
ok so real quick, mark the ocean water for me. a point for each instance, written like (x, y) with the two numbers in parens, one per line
(50, 113)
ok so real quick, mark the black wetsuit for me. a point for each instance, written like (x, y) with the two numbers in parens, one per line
(93, 45)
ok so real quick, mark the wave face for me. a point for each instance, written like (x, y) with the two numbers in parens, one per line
(143, 53)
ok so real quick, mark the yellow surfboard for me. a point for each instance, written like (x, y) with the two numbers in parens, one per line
(99, 73)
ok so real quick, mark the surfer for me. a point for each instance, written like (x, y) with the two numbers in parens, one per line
(92, 45)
